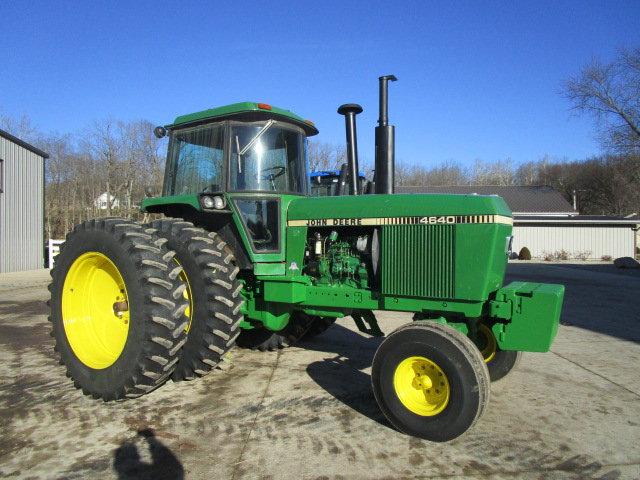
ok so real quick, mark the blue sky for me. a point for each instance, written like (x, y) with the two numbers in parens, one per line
(476, 79)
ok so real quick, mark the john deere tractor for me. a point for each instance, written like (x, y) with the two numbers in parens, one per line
(243, 249)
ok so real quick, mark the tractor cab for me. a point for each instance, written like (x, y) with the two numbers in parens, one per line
(245, 158)
(244, 147)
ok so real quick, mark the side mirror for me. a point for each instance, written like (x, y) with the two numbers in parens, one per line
(160, 132)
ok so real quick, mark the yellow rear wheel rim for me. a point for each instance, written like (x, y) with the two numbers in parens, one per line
(490, 346)
(188, 296)
(421, 386)
(95, 310)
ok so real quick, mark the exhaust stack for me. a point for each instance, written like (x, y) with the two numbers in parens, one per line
(385, 142)
(350, 110)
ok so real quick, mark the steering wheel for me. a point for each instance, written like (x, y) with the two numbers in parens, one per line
(277, 172)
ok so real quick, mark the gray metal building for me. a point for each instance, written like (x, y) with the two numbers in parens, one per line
(21, 205)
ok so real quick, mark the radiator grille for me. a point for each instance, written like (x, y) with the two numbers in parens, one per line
(417, 260)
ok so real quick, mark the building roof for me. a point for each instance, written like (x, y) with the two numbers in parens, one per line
(521, 199)
(23, 144)
(578, 220)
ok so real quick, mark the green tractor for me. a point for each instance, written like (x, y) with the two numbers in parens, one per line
(243, 251)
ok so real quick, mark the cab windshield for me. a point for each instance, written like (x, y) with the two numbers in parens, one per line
(196, 160)
(268, 156)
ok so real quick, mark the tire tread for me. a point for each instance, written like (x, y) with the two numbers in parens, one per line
(202, 353)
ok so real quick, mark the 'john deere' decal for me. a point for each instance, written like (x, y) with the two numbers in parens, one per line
(429, 220)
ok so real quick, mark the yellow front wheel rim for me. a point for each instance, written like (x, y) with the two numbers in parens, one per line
(490, 346)
(421, 386)
(95, 310)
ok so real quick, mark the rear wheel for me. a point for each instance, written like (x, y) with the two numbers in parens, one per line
(318, 327)
(430, 381)
(117, 309)
(213, 293)
(259, 338)
(499, 362)
(301, 327)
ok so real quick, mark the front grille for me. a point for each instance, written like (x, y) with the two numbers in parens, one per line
(418, 260)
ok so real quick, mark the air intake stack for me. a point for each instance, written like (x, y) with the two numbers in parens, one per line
(350, 110)
(385, 142)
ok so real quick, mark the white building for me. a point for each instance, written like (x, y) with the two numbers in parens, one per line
(101, 202)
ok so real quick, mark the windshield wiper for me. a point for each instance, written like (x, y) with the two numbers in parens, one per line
(238, 149)
(257, 137)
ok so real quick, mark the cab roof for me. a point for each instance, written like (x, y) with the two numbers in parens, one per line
(247, 111)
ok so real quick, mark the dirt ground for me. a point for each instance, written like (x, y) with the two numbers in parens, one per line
(309, 412)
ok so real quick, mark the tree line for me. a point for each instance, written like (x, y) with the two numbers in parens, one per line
(122, 161)
(106, 170)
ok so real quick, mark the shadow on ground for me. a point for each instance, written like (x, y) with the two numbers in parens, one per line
(21, 310)
(341, 374)
(128, 463)
(603, 299)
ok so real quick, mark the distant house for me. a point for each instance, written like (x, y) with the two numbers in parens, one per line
(547, 224)
(101, 202)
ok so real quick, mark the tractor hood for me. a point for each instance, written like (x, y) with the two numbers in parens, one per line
(398, 209)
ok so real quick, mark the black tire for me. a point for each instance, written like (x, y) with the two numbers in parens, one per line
(499, 362)
(318, 327)
(457, 357)
(156, 318)
(502, 363)
(261, 339)
(209, 266)
(301, 327)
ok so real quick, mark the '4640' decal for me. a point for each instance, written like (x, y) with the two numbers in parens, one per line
(428, 220)
(435, 220)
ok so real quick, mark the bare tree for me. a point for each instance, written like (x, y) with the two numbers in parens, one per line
(611, 93)
(325, 156)
(21, 127)
(499, 172)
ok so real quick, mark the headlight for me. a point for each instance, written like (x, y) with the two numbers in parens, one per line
(218, 203)
(211, 203)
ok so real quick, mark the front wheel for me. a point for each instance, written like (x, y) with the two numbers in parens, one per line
(499, 362)
(430, 381)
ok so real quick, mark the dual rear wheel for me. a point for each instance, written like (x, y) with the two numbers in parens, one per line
(133, 305)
